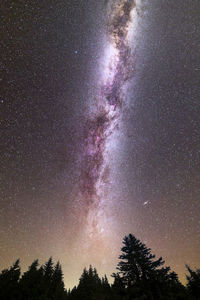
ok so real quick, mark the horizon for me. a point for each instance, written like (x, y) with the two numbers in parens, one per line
(101, 275)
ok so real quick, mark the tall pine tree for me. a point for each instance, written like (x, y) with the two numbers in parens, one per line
(142, 274)
(136, 262)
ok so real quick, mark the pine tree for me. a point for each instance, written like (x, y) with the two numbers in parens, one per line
(31, 282)
(89, 285)
(118, 287)
(137, 263)
(47, 270)
(193, 282)
(57, 286)
(141, 273)
(104, 283)
(9, 282)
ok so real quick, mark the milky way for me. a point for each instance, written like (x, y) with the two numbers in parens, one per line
(118, 70)
(99, 132)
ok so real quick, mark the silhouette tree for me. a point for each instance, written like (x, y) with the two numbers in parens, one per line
(44, 283)
(9, 282)
(118, 287)
(104, 283)
(106, 291)
(72, 294)
(57, 286)
(31, 282)
(47, 271)
(137, 263)
(193, 282)
(141, 274)
(52, 281)
(89, 286)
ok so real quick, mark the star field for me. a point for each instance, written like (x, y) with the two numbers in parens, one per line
(73, 182)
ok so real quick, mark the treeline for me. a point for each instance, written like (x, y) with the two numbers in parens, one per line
(139, 276)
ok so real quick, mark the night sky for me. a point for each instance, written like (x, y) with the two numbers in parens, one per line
(99, 131)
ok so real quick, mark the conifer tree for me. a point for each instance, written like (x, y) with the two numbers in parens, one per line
(89, 284)
(31, 282)
(137, 263)
(105, 283)
(193, 282)
(118, 287)
(142, 274)
(47, 270)
(9, 282)
(57, 286)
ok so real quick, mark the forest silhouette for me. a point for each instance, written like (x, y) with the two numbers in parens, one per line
(139, 276)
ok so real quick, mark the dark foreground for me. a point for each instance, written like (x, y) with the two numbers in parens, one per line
(139, 276)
